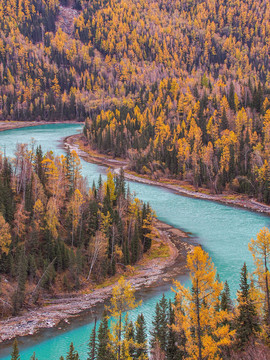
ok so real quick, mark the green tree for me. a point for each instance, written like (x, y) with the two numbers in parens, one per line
(246, 323)
(160, 324)
(72, 354)
(92, 354)
(104, 349)
(176, 341)
(15, 351)
(226, 302)
(141, 337)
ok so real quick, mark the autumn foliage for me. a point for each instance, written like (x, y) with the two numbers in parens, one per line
(56, 234)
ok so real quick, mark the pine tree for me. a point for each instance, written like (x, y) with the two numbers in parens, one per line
(246, 322)
(129, 339)
(175, 341)
(160, 324)
(141, 337)
(135, 245)
(92, 354)
(226, 302)
(72, 354)
(18, 296)
(103, 350)
(15, 351)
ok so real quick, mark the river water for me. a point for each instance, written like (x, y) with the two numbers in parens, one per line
(223, 231)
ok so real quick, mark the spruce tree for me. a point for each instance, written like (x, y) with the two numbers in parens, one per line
(160, 324)
(135, 245)
(130, 338)
(175, 340)
(246, 322)
(15, 351)
(226, 302)
(92, 354)
(141, 337)
(103, 351)
(72, 354)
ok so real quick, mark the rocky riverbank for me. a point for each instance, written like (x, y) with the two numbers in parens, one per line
(78, 143)
(148, 273)
(9, 125)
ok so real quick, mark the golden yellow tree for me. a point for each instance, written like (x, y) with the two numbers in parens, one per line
(109, 186)
(260, 249)
(5, 237)
(123, 300)
(51, 218)
(196, 310)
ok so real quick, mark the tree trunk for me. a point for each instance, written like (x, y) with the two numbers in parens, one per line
(267, 291)
(94, 340)
(198, 323)
(119, 338)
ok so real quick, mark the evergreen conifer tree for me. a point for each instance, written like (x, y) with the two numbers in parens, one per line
(72, 354)
(15, 351)
(92, 354)
(226, 302)
(246, 322)
(175, 340)
(103, 351)
(141, 337)
(160, 324)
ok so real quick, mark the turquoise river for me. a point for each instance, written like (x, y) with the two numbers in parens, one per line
(223, 231)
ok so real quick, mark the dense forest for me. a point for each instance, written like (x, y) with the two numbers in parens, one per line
(202, 322)
(56, 235)
(179, 88)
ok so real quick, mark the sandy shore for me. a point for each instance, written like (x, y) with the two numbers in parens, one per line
(235, 200)
(150, 273)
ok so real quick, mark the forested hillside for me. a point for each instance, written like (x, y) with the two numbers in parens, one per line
(180, 88)
(57, 236)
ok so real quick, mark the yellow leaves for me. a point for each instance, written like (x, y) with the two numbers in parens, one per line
(196, 310)
(38, 211)
(148, 225)
(60, 40)
(262, 172)
(135, 208)
(109, 186)
(5, 237)
(260, 250)
(162, 131)
(105, 222)
(55, 87)
(123, 299)
(52, 174)
(261, 245)
(241, 120)
(20, 219)
(51, 218)
(74, 207)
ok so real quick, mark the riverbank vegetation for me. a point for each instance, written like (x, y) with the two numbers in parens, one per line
(202, 322)
(57, 235)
